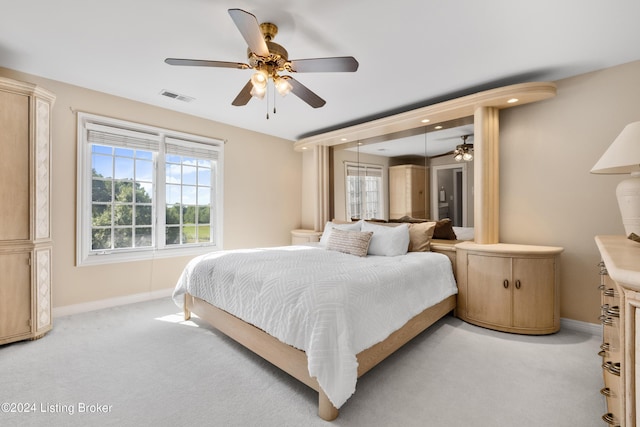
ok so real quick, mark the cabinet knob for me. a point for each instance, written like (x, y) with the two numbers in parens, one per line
(505, 283)
(518, 284)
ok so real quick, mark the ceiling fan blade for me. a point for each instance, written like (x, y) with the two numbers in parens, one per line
(244, 96)
(302, 92)
(206, 63)
(250, 30)
(314, 65)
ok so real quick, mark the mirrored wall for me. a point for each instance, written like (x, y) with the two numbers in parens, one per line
(410, 173)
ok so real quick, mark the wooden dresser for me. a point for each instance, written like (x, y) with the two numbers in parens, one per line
(509, 288)
(25, 211)
(620, 286)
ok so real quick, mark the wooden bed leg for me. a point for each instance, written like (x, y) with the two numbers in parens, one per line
(187, 312)
(326, 410)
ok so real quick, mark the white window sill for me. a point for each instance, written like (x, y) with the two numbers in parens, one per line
(143, 255)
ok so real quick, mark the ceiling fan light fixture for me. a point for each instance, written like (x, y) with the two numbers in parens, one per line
(467, 157)
(258, 92)
(259, 79)
(282, 86)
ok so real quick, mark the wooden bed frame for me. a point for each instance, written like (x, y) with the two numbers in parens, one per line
(294, 361)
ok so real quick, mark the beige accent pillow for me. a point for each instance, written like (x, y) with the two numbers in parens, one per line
(349, 242)
(420, 235)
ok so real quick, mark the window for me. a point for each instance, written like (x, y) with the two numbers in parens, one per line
(145, 192)
(364, 191)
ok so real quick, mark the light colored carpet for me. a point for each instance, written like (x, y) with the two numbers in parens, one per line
(148, 368)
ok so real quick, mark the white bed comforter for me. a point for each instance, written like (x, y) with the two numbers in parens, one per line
(329, 304)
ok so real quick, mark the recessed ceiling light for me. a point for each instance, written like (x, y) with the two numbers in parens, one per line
(438, 127)
(425, 121)
(512, 100)
(343, 139)
(304, 148)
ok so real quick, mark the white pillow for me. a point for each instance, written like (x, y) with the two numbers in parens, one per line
(349, 226)
(387, 241)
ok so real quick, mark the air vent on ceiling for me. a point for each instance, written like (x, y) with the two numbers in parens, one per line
(177, 96)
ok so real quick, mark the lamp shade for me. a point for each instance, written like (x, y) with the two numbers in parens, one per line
(623, 156)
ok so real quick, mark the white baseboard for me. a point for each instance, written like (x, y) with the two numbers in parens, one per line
(110, 302)
(576, 325)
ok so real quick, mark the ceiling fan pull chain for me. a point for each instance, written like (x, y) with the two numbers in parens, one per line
(274, 102)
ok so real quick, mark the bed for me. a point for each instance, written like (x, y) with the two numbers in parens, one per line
(324, 315)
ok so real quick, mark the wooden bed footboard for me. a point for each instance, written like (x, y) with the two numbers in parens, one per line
(294, 361)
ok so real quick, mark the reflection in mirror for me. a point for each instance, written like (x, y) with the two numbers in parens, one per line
(410, 173)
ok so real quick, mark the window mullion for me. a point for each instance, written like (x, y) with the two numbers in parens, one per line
(161, 196)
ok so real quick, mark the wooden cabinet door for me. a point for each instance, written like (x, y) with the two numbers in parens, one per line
(397, 192)
(417, 192)
(533, 294)
(15, 295)
(14, 166)
(488, 300)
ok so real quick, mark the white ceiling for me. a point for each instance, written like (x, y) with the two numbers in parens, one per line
(411, 52)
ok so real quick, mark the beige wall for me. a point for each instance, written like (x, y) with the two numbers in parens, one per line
(547, 194)
(262, 203)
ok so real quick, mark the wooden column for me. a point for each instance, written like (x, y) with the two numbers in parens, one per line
(486, 151)
(321, 163)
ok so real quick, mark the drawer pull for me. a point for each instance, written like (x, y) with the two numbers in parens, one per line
(612, 368)
(604, 308)
(601, 287)
(603, 268)
(610, 292)
(610, 419)
(505, 283)
(607, 392)
(614, 311)
(518, 284)
(602, 353)
(606, 320)
(605, 346)
(615, 369)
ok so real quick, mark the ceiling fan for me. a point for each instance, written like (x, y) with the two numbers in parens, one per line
(269, 59)
(463, 151)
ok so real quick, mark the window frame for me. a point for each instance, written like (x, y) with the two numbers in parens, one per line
(84, 253)
(381, 190)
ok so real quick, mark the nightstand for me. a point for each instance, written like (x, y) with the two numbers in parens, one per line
(304, 236)
(509, 288)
